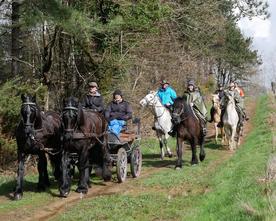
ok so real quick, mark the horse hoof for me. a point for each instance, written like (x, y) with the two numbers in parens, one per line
(194, 163)
(18, 196)
(41, 188)
(64, 194)
(170, 155)
(178, 167)
(81, 190)
(201, 157)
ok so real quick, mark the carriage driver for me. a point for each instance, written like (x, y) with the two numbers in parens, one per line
(236, 95)
(195, 99)
(118, 112)
(93, 100)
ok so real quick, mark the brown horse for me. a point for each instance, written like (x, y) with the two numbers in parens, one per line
(216, 115)
(84, 134)
(37, 134)
(187, 128)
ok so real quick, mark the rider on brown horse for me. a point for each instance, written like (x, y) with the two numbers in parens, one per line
(194, 98)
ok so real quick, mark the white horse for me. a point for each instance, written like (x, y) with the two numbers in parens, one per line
(215, 116)
(162, 120)
(230, 121)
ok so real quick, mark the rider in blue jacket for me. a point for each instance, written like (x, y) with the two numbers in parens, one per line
(166, 94)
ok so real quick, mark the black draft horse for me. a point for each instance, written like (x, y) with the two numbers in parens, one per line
(38, 133)
(188, 128)
(84, 133)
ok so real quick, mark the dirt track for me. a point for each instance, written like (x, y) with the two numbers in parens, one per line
(58, 205)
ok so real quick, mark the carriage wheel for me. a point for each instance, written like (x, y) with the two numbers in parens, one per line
(121, 165)
(136, 162)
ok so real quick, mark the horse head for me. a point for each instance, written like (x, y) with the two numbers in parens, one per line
(150, 99)
(70, 113)
(215, 100)
(29, 113)
(180, 107)
(229, 99)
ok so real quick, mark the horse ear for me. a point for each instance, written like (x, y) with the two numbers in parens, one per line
(23, 97)
(34, 98)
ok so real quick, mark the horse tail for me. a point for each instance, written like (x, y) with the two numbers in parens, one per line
(212, 112)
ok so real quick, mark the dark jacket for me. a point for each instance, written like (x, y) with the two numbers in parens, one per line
(93, 102)
(119, 111)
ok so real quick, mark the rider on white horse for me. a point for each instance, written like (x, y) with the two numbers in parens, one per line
(239, 104)
(195, 99)
(166, 94)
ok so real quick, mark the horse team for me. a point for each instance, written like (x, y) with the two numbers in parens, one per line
(83, 133)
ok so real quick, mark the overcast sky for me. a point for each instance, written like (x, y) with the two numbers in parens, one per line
(264, 39)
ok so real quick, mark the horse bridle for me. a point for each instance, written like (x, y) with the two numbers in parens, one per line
(182, 111)
(30, 104)
(68, 108)
(154, 103)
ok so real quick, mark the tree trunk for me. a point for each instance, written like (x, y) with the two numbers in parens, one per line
(15, 39)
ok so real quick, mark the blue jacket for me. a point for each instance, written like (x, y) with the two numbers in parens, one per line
(167, 95)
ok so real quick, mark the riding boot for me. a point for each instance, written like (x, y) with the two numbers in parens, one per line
(245, 115)
(153, 128)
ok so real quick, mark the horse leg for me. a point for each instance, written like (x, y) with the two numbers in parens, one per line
(202, 153)
(222, 135)
(43, 179)
(216, 129)
(161, 147)
(194, 156)
(55, 162)
(18, 193)
(232, 139)
(168, 151)
(65, 181)
(84, 172)
(106, 172)
(179, 150)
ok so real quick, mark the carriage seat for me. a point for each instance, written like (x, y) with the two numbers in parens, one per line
(130, 132)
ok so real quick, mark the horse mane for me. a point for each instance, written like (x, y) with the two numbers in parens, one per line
(80, 119)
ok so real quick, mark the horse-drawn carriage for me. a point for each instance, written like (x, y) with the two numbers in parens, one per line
(125, 149)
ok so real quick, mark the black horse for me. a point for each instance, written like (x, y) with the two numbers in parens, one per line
(188, 128)
(37, 134)
(84, 134)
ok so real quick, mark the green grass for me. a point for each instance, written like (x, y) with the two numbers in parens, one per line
(220, 188)
(230, 191)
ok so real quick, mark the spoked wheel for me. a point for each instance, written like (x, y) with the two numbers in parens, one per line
(121, 165)
(136, 162)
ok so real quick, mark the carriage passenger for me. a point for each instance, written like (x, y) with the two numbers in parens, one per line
(194, 98)
(166, 94)
(118, 112)
(93, 100)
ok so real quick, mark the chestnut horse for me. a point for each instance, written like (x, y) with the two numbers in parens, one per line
(187, 128)
(84, 134)
(216, 115)
(37, 134)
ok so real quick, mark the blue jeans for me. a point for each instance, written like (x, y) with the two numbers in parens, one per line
(116, 126)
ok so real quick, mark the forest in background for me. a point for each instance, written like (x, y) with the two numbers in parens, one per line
(54, 48)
